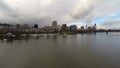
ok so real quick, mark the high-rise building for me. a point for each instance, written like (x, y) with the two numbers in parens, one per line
(73, 28)
(64, 27)
(95, 26)
(86, 26)
(35, 25)
(82, 28)
(54, 24)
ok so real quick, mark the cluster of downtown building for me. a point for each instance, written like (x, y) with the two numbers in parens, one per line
(54, 28)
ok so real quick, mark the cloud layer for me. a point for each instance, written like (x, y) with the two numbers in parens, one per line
(43, 12)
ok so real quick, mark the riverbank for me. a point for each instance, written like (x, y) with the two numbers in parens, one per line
(25, 33)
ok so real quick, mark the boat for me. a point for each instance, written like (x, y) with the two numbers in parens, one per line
(9, 36)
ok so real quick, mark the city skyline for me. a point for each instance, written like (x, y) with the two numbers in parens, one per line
(104, 13)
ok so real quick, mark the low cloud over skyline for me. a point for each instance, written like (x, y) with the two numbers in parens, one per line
(43, 12)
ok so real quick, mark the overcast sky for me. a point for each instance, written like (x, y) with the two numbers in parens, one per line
(106, 13)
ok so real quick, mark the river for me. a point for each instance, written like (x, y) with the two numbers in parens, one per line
(72, 51)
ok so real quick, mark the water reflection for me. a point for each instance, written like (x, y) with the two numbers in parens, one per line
(71, 51)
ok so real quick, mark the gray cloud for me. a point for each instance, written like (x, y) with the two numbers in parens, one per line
(112, 24)
(95, 9)
(6, 9)
(64, 11)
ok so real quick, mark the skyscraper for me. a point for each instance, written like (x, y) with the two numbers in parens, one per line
(54, 24)
(64, 27)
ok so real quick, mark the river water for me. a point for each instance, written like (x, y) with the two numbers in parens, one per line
(73, 51)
